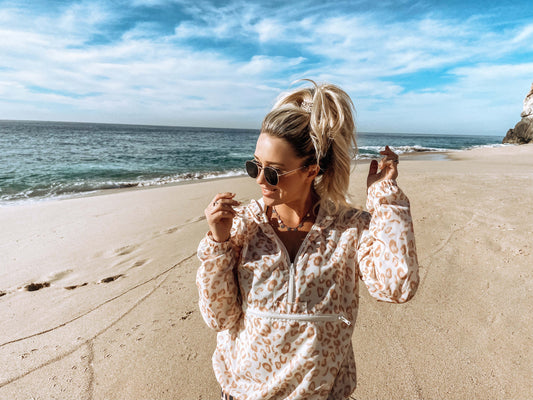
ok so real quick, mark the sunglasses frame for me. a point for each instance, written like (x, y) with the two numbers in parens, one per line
(270, 176)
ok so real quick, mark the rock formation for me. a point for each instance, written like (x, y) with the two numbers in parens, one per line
(523, 131)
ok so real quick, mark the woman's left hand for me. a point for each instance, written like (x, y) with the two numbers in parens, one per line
(387, 168)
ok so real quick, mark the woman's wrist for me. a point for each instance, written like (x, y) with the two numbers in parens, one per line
(217, 239)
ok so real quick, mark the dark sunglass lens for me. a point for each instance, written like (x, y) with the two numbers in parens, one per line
(252, 169)
(271, 176)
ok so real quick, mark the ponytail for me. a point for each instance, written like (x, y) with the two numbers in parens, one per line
(318, 123)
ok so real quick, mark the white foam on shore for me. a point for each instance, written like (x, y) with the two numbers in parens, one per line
(83, 189)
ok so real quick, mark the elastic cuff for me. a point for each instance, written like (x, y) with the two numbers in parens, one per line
(384, 184)
(212, 240)
(209, 247)
(379, 192)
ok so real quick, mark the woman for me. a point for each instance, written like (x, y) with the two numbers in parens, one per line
(279, 279)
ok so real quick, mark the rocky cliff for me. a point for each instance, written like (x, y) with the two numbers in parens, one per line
(523, 131)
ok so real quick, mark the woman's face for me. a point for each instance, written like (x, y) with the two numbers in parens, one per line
(277, 153)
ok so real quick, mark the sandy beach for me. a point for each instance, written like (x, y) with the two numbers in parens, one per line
(98, 297)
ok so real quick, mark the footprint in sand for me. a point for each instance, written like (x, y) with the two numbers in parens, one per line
(54, 277)
(125, 250)
(32, 287)
(72, 287)
(104, 280)
(187, 315)
(172, 230)
(196, 219)
(139, 263)
(110, 278)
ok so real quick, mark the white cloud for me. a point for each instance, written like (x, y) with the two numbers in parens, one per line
(524, 36)
(269, 30)
(266, 66)
(81, 18)
(142, 76)
(135, 80)
(484, 99)
(234, 20)
(151, 3)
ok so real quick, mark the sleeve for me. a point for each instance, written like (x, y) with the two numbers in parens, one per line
(217, 283)
(387, 251)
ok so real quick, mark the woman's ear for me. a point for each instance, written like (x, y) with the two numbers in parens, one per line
(312, 171)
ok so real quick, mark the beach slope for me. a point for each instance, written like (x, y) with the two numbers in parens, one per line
(98, 297)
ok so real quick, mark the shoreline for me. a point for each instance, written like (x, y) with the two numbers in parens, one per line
(413, 156)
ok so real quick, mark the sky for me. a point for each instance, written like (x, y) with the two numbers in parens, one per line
(432, 66)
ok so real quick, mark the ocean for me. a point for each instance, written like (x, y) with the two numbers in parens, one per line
(47, 160)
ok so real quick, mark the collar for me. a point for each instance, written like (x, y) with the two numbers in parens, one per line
(257, 212)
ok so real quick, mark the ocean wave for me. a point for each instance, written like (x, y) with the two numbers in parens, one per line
(56, 190)
(370, 152)
(190, 176)
(492, 145)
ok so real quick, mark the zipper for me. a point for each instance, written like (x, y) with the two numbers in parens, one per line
(345, 320)
(299, 317)
(291, 295)
(291, 292)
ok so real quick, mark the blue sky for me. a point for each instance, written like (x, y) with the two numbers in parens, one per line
(410, 66)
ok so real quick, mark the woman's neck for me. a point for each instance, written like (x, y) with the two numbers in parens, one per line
(292, 213)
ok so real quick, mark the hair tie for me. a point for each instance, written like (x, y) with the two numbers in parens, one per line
(307, 106)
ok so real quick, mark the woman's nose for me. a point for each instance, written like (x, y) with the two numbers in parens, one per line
(261, 177)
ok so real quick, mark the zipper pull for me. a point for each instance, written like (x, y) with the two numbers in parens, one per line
(345, 320)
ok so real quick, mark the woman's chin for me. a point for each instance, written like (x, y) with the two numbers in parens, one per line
(269, 195)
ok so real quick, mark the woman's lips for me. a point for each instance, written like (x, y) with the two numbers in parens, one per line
(268, 192)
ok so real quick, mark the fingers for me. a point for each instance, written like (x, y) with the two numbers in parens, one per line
(388, 165)
(373, 174)
(388, 151)
(222, 205)
(373, 167)
(390, 156)
(222, 196)
(219, 214)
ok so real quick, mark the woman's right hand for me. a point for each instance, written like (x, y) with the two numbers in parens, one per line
(219, 214)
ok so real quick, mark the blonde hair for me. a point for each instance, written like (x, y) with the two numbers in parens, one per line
(318, 123)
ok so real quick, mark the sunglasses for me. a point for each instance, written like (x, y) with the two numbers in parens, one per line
(271, 174)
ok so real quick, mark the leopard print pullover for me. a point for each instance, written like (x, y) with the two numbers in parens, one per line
(285, 328)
